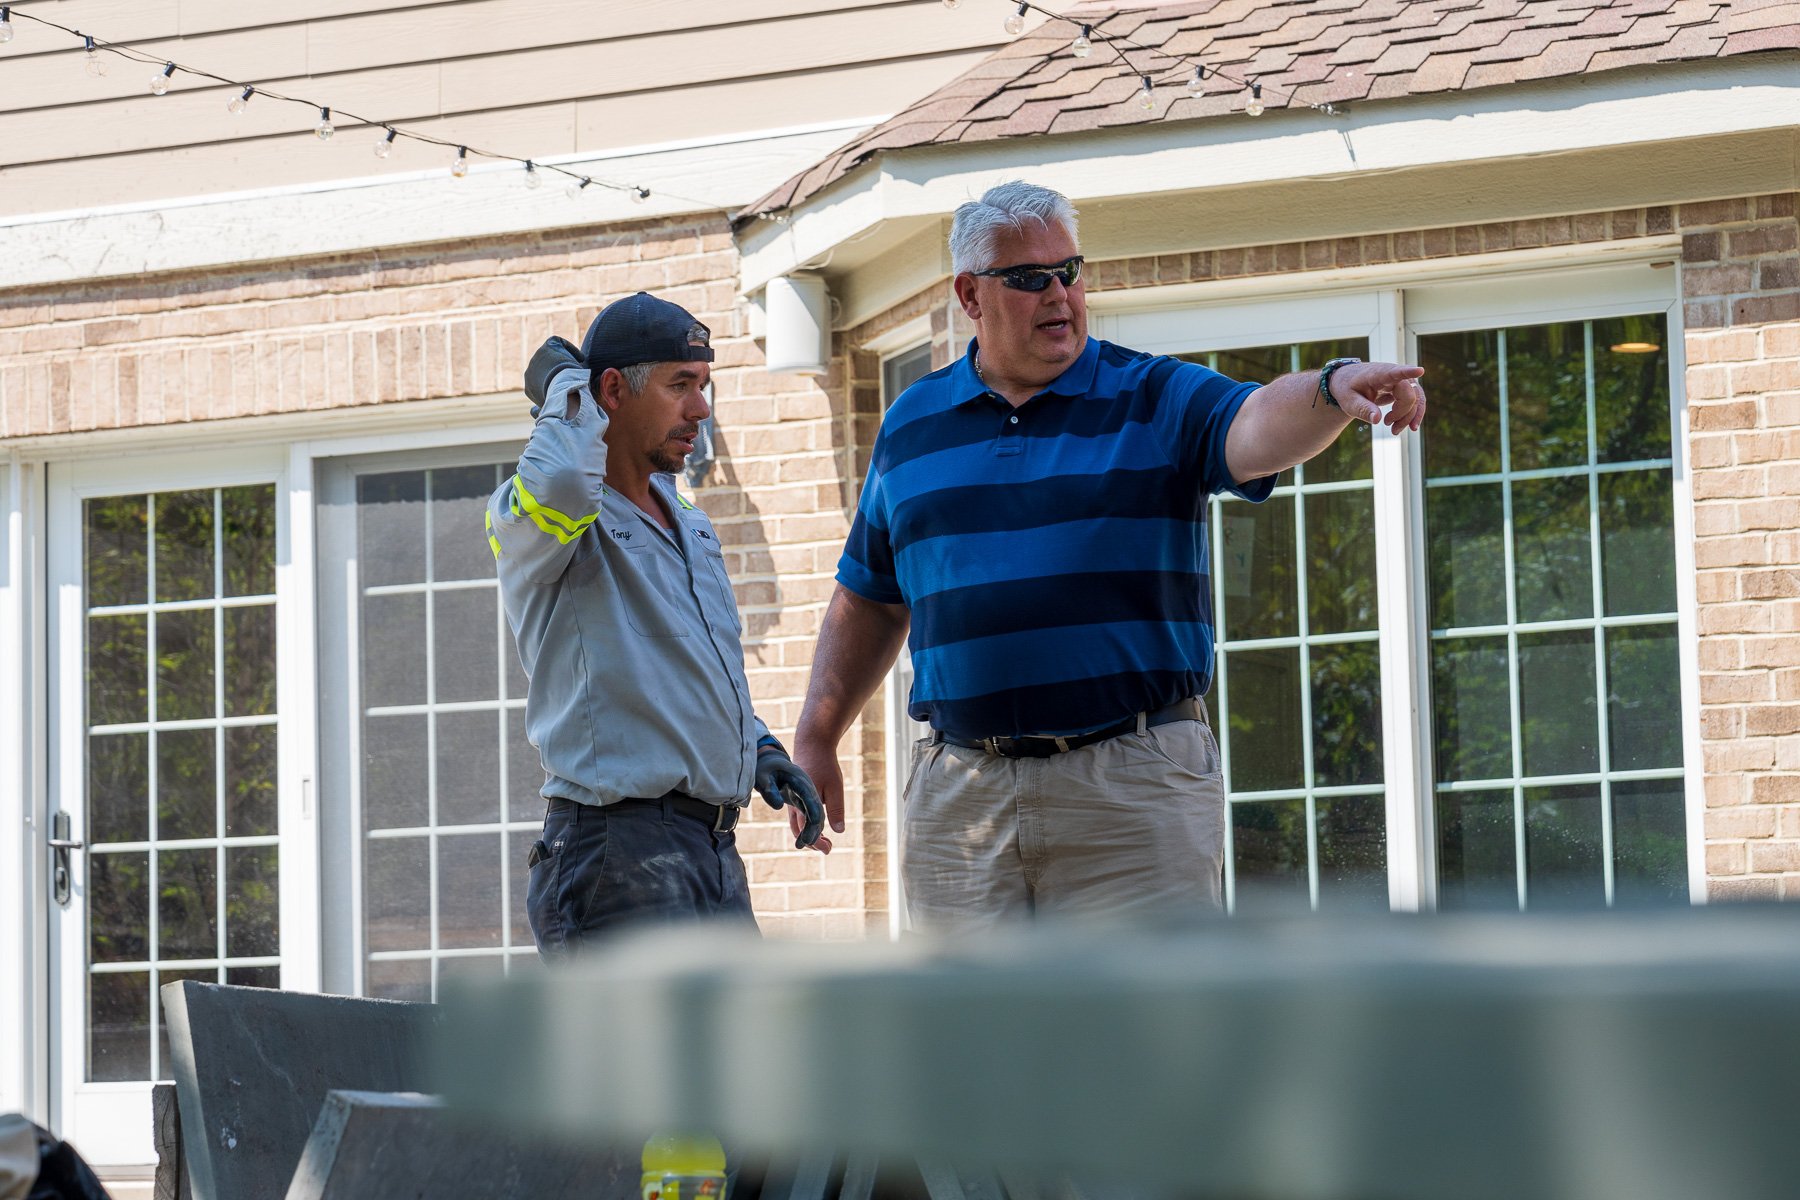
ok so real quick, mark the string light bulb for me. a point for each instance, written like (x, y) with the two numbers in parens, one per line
(1197, 84)
(325, 128)
(460, 167)
(532, 179)
(6, 28)
(640, 194)
(1083, 45)
(1015, 24)
(385, 147)
(1147, 100)
(241, 101)
(96, 66)
(159, 82)
(1255, 106)
(574, 190)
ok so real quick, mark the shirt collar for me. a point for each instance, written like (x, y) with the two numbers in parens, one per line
(1076, 380)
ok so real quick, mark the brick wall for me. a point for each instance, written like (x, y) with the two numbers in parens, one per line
(1740, 283)
(461, 320)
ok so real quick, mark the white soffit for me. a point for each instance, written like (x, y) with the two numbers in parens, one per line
(384, 211)
(1529, 127)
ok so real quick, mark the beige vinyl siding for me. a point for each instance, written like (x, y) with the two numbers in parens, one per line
(537, 78)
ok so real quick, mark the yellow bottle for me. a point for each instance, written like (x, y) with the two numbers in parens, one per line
(684, 1166)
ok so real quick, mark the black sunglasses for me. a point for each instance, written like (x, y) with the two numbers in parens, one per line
(1035, 277)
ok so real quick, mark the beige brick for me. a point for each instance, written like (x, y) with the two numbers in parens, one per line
(1735, 618)
(1713, 587)
(1771, 652)
(1745, 550)
(1787, 684)
(1789, 826)
(1781, 513)
(1781, 409)
(1740, 482)
(1718, 722)
(1745, 754)
(1774, 856)
(1725, 858)
(1728, 890)
(1781, 341)
(1772, 719)
(1705, 385)
(1775, 789)
(1724, 790)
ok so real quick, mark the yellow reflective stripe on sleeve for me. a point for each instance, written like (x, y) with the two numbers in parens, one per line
(493, 542)
(560, 526)
(685, 502)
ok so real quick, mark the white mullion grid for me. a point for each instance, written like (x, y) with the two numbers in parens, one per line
(430, 585)
(450, 952)
(219, 882)
(182, 964)
(1221, 735)
(1572, 777)
(1561, 625)
(1601, 707)
(501, 716)
(404, 832)
(151, 870)
(184, 723)
(431, 733)
(1590, 468)
(267, 839)
(1300, 793)
(1512, 620)
(449, 706)
(1315, 639)
(1304, 625)
(170, 606)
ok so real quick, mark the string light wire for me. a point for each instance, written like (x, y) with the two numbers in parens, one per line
(93, 46)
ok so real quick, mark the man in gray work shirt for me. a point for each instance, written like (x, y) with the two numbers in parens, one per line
(616, 590)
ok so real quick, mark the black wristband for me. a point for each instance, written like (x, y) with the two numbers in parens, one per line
(1325, 379)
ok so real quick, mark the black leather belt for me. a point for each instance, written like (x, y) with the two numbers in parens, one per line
(722, 818)
(1190, 709)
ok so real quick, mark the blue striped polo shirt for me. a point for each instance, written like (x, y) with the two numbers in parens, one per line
(1054, 556)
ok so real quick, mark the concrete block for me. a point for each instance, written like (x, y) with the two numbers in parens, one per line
(253, 1067)
(404, 1144)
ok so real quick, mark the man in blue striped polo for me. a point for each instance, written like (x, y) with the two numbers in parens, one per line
(1036, 513)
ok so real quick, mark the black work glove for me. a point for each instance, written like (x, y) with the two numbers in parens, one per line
(781, 782)
(552, 359)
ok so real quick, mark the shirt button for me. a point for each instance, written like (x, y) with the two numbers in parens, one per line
(1013, 419)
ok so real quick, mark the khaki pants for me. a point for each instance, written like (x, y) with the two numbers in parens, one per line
(1132, 825)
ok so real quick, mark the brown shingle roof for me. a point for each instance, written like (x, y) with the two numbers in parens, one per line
(1302, 52)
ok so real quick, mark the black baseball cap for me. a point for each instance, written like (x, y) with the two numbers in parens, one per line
(643, 329)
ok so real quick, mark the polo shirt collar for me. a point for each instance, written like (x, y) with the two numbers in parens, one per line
(1076, 380)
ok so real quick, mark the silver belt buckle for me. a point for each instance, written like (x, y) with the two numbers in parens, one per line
(993, 746)
(724, 824)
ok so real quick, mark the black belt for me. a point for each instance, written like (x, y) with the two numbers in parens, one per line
(722, 818)
(1190, 709)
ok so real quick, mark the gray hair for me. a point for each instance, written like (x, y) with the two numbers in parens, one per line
(977, 225)
(637, 376)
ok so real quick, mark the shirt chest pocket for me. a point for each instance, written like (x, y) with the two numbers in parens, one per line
(650, 591)
(710, 579)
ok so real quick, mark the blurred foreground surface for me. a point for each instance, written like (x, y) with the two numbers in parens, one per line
(1441, 1057)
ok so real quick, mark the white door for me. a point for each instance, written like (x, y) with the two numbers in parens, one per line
(165, 736)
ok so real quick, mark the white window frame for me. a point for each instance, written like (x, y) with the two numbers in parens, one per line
(1391, 311)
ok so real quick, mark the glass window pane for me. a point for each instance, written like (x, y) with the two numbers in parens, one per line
(1467, 555)
(1546, 395)
(253, 901)
(1644, 690)
(471, 966)
(399, 979)
(1346, 713)
(1649, 842)
(118, 1026)
(250, 661)
(1352, 853)
(115, 555)
(1476, 851)
(471, 901)
(1268, 841)
(249, 539)
(1631, 387)
(117, 670)
(187, 903)
(903, 370)
(1264, 703)
(118, 807)
(465, 629)
(390, 512)
(1349, 457)
(396, 779)
(468, 768)
(262, 977)
(119, 908)
(459, 546)
(1462, 371)
(1552, 551)
(185, 666)
(1340, 561)
(184, 546)
(525, 771)
(250, 781)
(1255, 364)
(187, 784)
(1257, 563)
(1471, 711)
(397, 893)
(393, 650)
(1564, 851)
(1557, 708)
(1637, 542)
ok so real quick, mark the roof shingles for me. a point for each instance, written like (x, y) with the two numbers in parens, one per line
(1303, 52)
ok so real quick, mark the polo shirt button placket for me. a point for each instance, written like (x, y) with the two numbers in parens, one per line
(1009, 442)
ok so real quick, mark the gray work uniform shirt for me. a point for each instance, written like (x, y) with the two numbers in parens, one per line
(628, 632)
